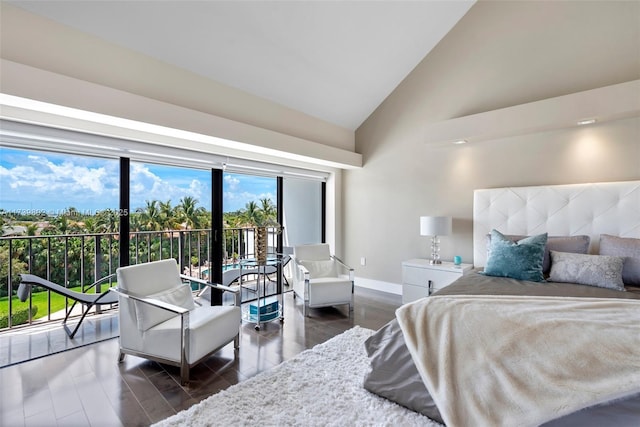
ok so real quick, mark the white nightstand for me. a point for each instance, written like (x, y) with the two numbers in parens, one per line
(420, 279)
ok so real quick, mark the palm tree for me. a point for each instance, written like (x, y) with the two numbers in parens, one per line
(61, 224)
(263, 216)
(168, 216)
(150, 215)
(134, 222)
(91, 225)
(107, 221)
(251, 214)
(189, 213)
(268, 208)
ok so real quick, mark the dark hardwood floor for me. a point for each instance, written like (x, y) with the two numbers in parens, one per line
(86, 386)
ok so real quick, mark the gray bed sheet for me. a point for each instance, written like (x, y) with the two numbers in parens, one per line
(394, 376)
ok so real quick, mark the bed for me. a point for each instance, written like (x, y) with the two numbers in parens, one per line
(506, 348)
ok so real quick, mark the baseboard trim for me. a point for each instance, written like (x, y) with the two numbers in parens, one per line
(379, 285)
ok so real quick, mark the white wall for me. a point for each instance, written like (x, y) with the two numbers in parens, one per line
(500, 54)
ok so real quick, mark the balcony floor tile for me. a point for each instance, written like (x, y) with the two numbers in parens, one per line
(36, 341)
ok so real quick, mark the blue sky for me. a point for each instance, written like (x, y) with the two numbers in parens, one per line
(52, 182)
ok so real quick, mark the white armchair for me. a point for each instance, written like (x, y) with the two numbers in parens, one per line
(320, 279)
(160, 321)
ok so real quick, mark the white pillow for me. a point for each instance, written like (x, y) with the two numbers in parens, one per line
(149, 316)
(324, 268)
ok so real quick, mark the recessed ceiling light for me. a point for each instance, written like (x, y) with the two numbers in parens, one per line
(586, 122)
(460, 141)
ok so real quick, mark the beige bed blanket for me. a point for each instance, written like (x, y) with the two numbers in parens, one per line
(521, 361)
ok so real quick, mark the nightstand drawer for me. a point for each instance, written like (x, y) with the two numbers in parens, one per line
(442, 279)
(422, 276)
(414, 276)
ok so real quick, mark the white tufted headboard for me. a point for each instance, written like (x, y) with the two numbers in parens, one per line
(560, 210)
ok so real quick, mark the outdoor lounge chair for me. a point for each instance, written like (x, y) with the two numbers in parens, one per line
(88, 300)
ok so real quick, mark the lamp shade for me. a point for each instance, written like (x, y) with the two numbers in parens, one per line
(435, 225)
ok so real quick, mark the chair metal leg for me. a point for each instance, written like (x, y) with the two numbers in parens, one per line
(121, 357)
(69, 332)
(236, 341)
(84, 314)
(351, 304)
(184, 373)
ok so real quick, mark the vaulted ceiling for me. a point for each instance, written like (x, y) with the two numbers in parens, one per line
(334, 60)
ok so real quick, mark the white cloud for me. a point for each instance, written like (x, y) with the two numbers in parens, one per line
(241, 189)
(232, 182)
(196, 189)
(145, 185)
(66, 183)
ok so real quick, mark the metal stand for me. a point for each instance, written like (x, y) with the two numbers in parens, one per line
(274, 260)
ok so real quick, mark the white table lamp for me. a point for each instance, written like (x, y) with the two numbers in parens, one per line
(435, 226)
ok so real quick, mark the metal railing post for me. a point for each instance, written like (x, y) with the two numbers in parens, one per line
(97, 266)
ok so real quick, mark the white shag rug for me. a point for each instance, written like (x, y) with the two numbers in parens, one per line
(319, 387)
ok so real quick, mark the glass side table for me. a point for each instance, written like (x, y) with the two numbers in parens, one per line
(264, 308)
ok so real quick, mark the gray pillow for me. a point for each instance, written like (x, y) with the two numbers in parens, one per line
(573, 244)
(594, 270)
(626, 247)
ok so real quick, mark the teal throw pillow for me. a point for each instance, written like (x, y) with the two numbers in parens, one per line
(521, 260)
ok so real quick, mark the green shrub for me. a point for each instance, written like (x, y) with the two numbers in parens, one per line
(19, 317)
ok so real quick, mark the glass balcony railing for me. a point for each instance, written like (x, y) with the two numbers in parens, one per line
(77, 261)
